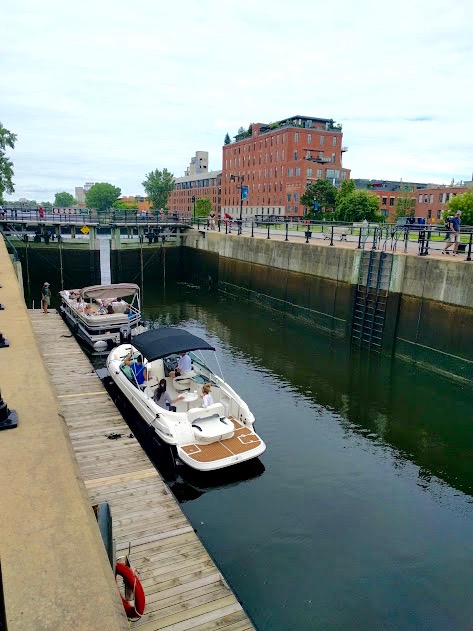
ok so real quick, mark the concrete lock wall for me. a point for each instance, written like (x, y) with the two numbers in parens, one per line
(429, 309)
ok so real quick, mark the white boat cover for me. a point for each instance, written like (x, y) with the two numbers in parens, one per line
(107, 292)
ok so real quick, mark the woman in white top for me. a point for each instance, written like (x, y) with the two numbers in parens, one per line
(206, 396)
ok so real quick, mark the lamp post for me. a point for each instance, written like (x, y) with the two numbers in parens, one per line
(243, 195)
(193, 212)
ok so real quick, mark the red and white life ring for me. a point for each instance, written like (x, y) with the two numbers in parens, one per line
(133, 609)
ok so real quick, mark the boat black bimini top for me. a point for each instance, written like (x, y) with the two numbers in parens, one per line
(159, 343)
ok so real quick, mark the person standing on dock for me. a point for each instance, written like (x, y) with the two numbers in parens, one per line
(45, 297)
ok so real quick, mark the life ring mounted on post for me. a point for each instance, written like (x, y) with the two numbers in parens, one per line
(135, 607)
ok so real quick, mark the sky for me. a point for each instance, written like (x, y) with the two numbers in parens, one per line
(107, 91)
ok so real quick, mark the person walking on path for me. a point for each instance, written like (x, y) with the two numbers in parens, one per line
(454, 224)
(45, 297)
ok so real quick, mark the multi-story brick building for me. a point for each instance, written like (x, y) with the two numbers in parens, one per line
(190, 188)
(431, 201)
(142, 202)
(277, 162)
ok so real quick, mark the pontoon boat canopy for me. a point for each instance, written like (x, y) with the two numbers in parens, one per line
(166, 341)
(106, 292)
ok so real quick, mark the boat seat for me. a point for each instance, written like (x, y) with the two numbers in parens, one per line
(210, 424)
(183, 382)
(156, 369)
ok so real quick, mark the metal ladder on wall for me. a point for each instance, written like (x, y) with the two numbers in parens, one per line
(369, 313)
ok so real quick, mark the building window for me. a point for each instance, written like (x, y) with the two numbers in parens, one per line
(296, 197)
(298, 171)
(309, 139)
(429, 214)
(290, 172)
(420, 199)
(322, 140)
(385, 201)
(296, 137)
(440, 197)
(295, 155)
(307, 154)
(309, 172)
(289, 197)
(431, 199)
(391, 201)
(334, 141)
(333, 157)
(319, 172)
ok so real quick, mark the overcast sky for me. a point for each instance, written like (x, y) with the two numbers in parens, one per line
(107, 91)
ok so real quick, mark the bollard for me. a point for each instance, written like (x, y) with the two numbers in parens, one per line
(468, 258)
(287, 232)
(219, 224)
(374, 237)
(308, 235)
(268, 237)
(8, 418)
(252, 229)
(359, 241)
(3, 342)
(331, 236)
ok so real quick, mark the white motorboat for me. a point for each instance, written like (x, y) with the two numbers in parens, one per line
(205, 439)
(100, 316)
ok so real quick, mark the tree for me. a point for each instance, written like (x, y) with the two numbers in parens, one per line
(356, 206)
(347, 187)
(64, 200)
(462, 203)
(102, 196)
(405, 206)
(324, 193)
(227, 140)
(7, 139)
(203, 206)
(158, 186)
(122, 205)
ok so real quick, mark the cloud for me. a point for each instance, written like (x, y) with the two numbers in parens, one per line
(113, 90)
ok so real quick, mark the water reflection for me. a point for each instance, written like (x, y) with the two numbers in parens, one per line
(385, 401)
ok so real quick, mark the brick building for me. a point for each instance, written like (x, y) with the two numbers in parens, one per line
(430, 202)
(387, 192)
(142, 202)
(194, 187)
(277, 162)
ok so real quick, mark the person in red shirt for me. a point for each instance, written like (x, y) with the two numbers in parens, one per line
(41, 212)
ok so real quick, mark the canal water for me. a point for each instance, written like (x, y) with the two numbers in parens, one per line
(359, 514)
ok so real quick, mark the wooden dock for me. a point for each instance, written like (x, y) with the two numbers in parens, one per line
(184, 589)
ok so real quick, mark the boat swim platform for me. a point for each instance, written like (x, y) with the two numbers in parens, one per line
(184, 589)
(242, 440)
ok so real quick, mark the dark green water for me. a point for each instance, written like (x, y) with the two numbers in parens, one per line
(359, 514)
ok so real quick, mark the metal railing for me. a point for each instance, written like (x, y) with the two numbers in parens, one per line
(421, 240)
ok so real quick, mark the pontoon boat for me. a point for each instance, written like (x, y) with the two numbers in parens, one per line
(100, 316)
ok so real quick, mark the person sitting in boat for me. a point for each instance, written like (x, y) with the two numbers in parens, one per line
(162, 398)
(140, 373)
(207, 399)
(88, 309)
(184, 366)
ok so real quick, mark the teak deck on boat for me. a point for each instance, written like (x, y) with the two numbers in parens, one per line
(184, 589)
(242, 440)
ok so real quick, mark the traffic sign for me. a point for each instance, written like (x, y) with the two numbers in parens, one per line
(85, 229)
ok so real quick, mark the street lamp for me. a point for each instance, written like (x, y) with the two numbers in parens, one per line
(193, 213)
(243, 195)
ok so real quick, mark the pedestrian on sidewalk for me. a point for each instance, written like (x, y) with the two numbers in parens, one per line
(454, 224)
(45, 297)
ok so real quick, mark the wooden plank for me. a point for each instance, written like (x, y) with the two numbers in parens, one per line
(116, 479)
